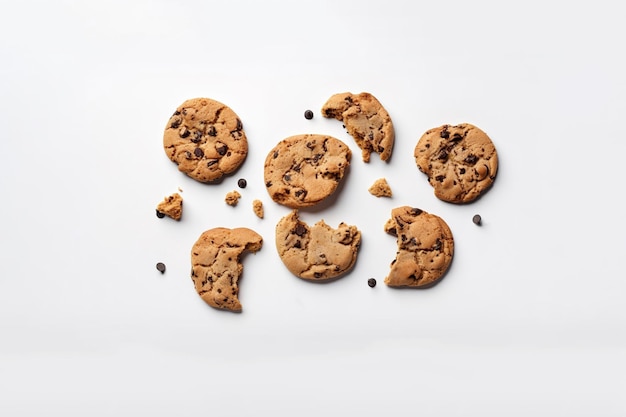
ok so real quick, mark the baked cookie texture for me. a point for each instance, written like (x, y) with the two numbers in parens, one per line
(318, 252)
(380, 188)
(257, 207)
(460, 161)
(366, 120)
(205, 138)
(171, 206)
(232, 198)
(425, 248)
(216, 264)
(302, 170)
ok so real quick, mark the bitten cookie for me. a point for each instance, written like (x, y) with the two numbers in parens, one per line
(425, 248)
(171, 206)
(366, 120)
(317, 253)
(460, 161)
(303, 170)
(216, 264)
(205, 138)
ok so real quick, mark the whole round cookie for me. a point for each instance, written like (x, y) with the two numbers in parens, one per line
(317, 253)
(216, 264)
(205, 138)
(460, 161)
(302, 170)
(366, 120)
(425, 248)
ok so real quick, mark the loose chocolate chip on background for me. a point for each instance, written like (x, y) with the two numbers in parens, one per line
(242, 183)
(161, 267)
(371, 282)
(308, 114)
(477, 219)
(159, 214)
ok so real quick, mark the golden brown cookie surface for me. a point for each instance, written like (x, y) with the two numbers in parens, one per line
(303, 170)
(216, 264)
(366, 120)
(460, 161)
(425, 248)
(205, 138)
(318, 252)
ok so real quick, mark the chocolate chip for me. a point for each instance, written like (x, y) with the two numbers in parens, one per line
(184, 132)
(239, 125)
(462, 171)
(212, 131)
(444, 134)
(198, 152)
(211, 162)
(456, 137)
(371, 282)
(242, 183)
(415, 211)
(197, 137)
(443, 155)
(477, 219)
(300, 230)
(175, 124)
(159, 214)
(308, 114)
(440, 178)
(471, 159)
(222, 150)
(160, 266)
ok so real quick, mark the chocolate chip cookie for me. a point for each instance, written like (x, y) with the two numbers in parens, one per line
(425, 248)
(205, 138)
(460, 161)
(302, 170)
(216, 264)
(317, 253)
(366, 120)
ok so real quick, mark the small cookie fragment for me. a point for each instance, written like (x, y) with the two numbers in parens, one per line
(425, 248)
(317, 253)
(205, 138)
(171, 206)
(380, 188)
(232, 198)
(366, 120)
(460, 161)
(302, 170)
(257, 207)
(216, 264)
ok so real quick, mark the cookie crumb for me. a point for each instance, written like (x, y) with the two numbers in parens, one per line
(171, 206)
(160, 266)
(242, 183)
(308, 114)
(232, 198)
(371, 282)
(380, 188)
(257, 206)
(477, 219)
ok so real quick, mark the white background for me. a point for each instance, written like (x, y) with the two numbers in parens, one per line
(530, 319)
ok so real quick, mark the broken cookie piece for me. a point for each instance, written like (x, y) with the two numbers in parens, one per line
(380, 188)
(216, 264)
(257, 207)
(425, 248)
(317, 253)
(232, 198)
(366, 120)
(171, 206)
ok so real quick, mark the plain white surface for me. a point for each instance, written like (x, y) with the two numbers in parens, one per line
(530, 319)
